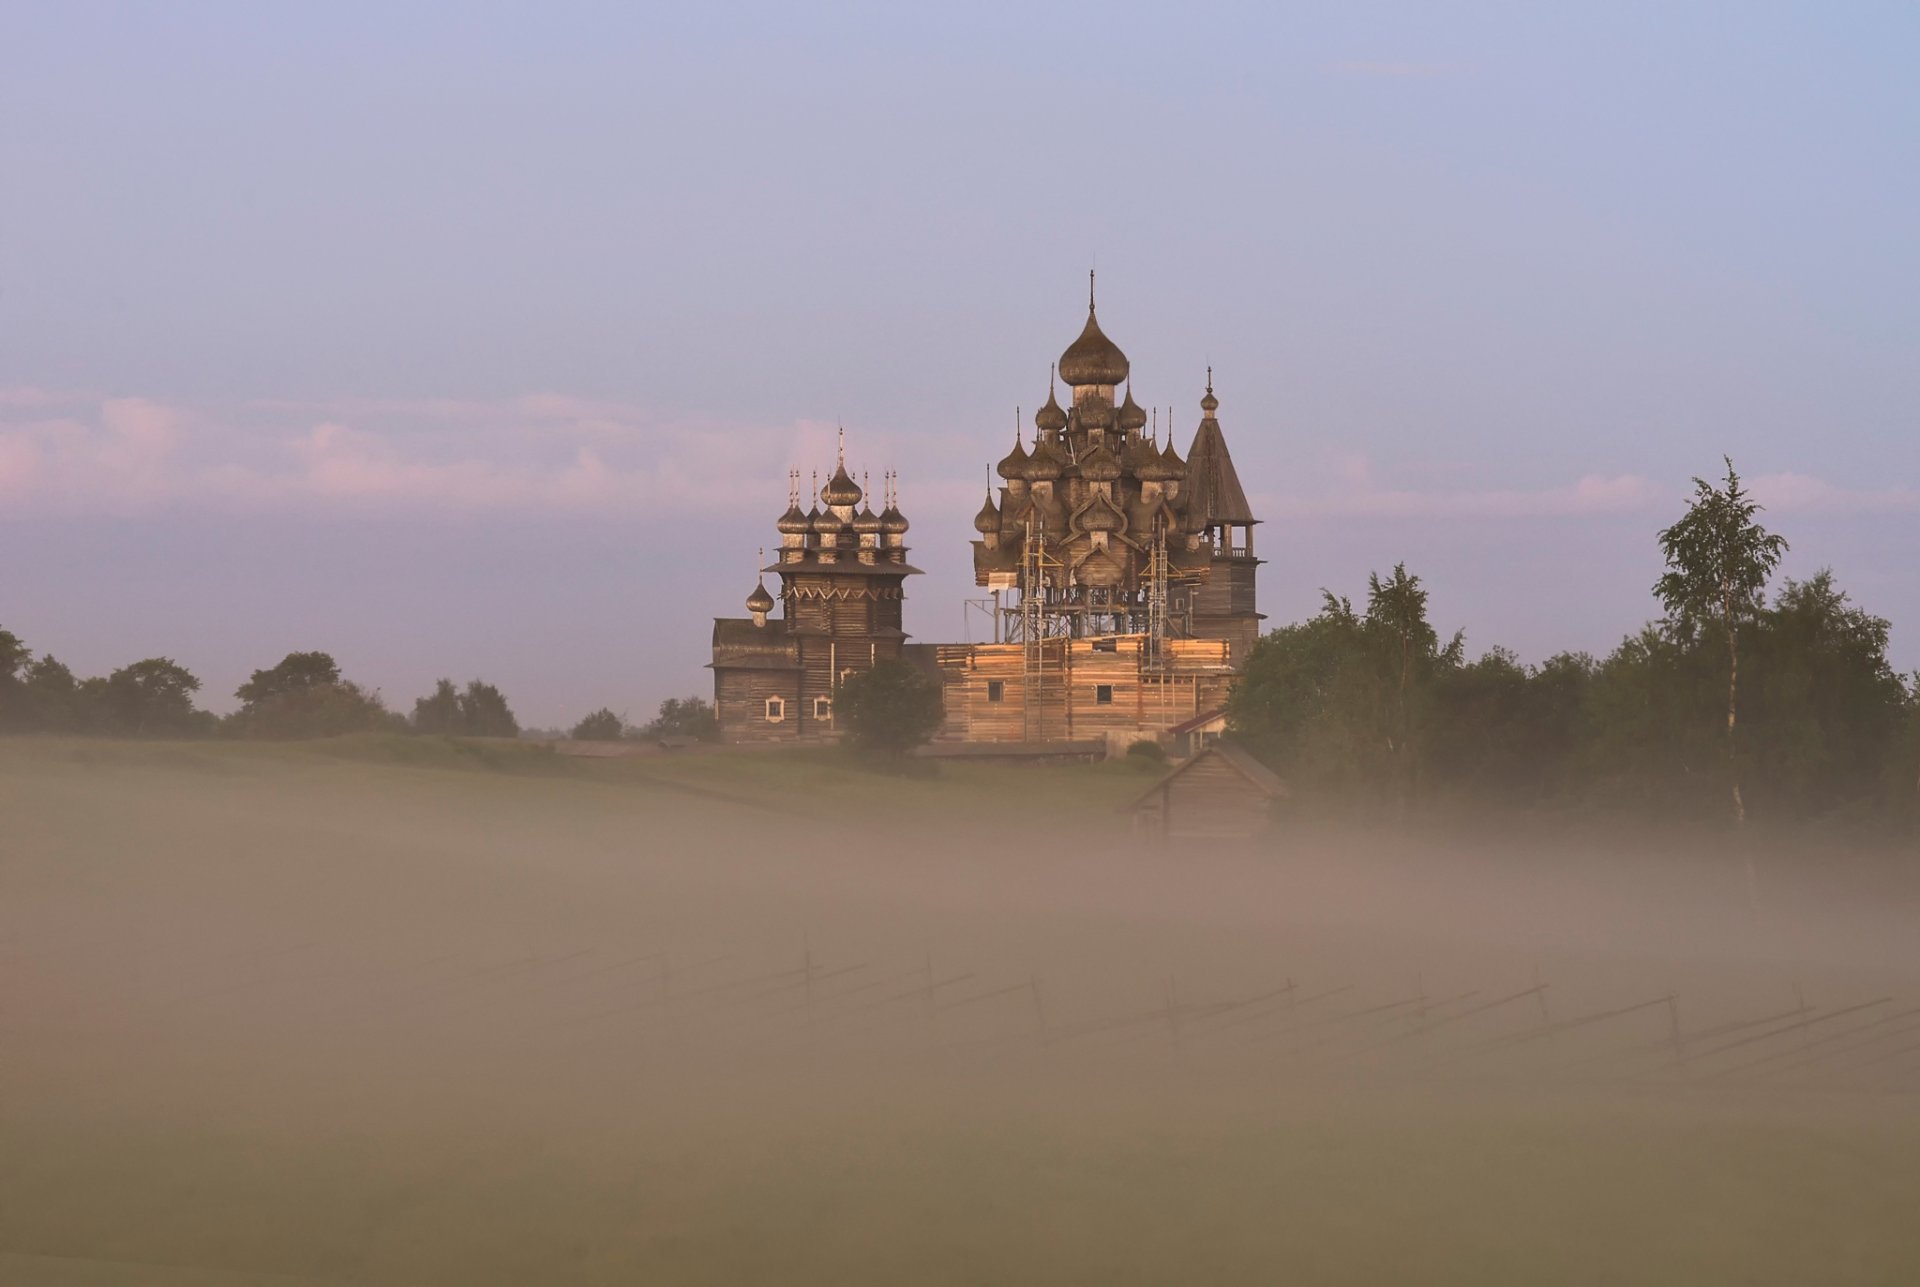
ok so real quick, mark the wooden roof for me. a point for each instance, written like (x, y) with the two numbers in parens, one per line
(1198, 721)
(1212, 492)
(1257, 775)
(738, 644)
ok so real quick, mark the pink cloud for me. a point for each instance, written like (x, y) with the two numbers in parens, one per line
(555, 452)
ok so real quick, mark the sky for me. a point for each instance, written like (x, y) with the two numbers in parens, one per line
(477, 340)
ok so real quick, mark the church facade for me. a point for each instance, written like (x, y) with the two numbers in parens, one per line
(842, 569)
(1122, 578)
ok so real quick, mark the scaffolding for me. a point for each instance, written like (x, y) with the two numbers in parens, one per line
(1049, 611)
(1040, 573)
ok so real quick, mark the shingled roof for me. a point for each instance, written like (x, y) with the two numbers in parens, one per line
(1257, 775)
(738, 644)
(1212, 490)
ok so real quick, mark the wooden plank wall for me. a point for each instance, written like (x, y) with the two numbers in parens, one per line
(1142, 702)
(1211, 801)
(740, 704)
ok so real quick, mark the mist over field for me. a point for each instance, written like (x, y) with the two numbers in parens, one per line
(410, 1011)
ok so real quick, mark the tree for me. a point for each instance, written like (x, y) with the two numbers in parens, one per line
(1506, 733)
(601, 726)
(485, 712)
(1719, 560)
(1341, 703)
(51, 697)
(154, 696)
(682, 717)
(480, 711)
(889, 709)
(304, 696)
(1824, 708)
(439, 711)
(297, 672)
(14, 657)
(1397, 621)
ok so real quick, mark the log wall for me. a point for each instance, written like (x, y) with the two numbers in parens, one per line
(1066, 704)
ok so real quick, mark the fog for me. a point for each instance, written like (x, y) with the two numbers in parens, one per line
(286, 1016)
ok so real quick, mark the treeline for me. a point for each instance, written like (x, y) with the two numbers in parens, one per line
(1733, 703)
(686, 719)
(303, 696)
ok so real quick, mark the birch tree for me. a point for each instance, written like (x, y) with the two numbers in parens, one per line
(1719, 559)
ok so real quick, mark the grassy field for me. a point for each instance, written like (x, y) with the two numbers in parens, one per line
(401, 1011)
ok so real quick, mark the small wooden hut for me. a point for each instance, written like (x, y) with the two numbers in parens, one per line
(1220, 793)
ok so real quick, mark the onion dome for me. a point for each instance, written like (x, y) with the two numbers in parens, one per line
(893, 521)
(793, 522)
(868, 521)
(840, 489)
(1097, 414)
(1153, 466)
(760, 601)
(1097, 464)
(1133, 417)
(1014, 464)
(1209, 404)
(1176, 467)
(1050, 418)
(1136, 454)
(1093, 358)
(988, 519)
(826, 522)
(1044, 464)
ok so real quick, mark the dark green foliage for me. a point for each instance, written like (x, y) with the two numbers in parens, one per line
(1503, 732)
(41, 695)
(151, 698)
(1345, 704)
(889, 709)
(1719, 559)
(439, 711)
(682, 717)
(601, 726)
(14, 657)
(479, 711)
(1149, 750)
(50, 698)
(297, 672)
(1364, 713)
(304, 696)
(487, 713)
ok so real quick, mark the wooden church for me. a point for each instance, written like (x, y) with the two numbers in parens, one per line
(842, 570)
(1122, 576)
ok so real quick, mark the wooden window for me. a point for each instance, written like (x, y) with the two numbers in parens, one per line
(1103, 694)
(1106, 645)
(996, 690)
(776, 710)
(823, 708)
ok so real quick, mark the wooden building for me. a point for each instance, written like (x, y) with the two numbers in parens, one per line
(1110, 687)
(842, 571)
(1221, 793)
(1122, 577)
(1101, 530)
